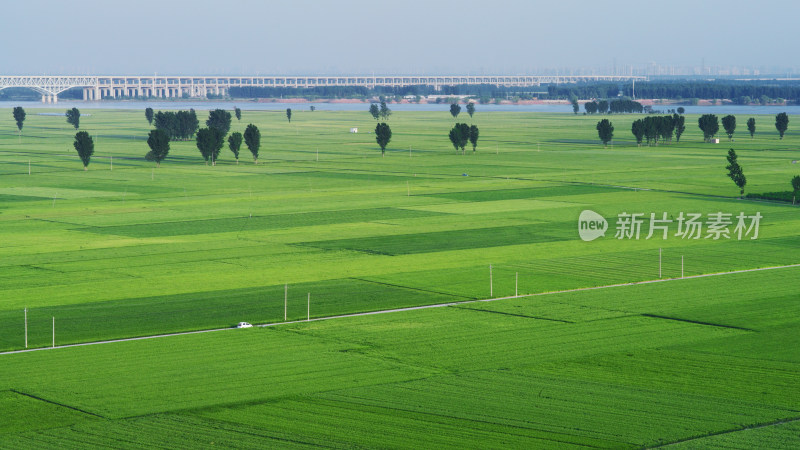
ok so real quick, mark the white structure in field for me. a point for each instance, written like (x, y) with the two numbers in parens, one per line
(98, 87)
(354, 130)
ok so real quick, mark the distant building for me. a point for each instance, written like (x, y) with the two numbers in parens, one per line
(354, 130)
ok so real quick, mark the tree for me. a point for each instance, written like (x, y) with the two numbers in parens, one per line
(220, 120)
(148, 114)
(782, 123)
(602, 106)
(74, 117)
(235, 143)
(709, 125)
(605, 130)
(210, 141)
(751, 126)
(795, 187)
(651, 130)
(19, 117)
(187, 124)
(158, 141)
(474, 133)
(313, 108)
(85, 147)
(454, 137)
(237, 112)
(574, 101)
(383, 134)
(459, 136)
(681, 110)
(637, 128)
(590, 107)
(470, 109)
(455, 109)
(680, 125)
(735, 171)
(729, 123)
(373, 109)
(385, 111)
(252, 137)
(666, 127)
(289, 114)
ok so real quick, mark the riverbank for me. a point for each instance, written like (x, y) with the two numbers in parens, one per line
(539, 106)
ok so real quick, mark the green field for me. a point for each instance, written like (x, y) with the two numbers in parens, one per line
(138, 251)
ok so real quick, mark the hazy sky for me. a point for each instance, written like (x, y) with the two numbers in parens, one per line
(397, 37)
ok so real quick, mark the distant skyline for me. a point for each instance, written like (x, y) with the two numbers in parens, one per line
(248, 37)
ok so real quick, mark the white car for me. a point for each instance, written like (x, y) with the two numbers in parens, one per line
(243, 325)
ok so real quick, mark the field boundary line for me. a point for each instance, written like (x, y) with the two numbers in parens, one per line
(697, 322)
(730, 431)
(408, 308)
(410, 288)
(25, 394)
(512, 314)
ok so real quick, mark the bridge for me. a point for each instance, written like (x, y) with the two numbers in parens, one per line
(98, 87)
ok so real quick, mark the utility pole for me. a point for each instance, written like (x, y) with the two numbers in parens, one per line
(26, 327)
(285, 300)
(54, 332)
(308, 314)
(491, 285)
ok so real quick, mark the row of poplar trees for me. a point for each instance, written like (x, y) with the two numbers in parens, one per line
(210, 140)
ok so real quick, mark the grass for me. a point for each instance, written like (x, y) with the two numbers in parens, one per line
(591, 368)
(136, 251)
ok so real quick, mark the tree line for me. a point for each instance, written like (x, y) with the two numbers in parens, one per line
(381, 112)
(658, 128)
(683, 89)
(462, 133)
(180, 125)
(614, 107)
(655, 129)
(709, 125)
(459, 135)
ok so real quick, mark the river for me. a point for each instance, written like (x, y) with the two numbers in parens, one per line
(255, 106)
